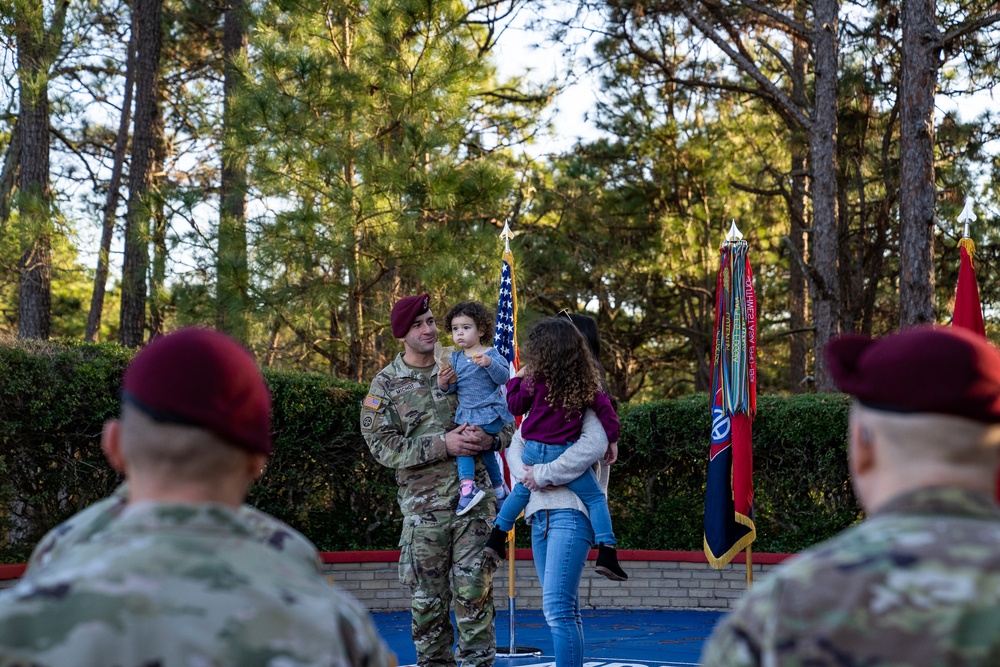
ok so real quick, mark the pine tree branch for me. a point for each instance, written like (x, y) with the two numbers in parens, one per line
(957, 33)
(794, 27)
(741, 58)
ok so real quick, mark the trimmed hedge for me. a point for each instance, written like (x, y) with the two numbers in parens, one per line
(322, 479)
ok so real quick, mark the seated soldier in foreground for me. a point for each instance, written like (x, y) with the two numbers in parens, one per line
(179, 577)
(917, 582)
(90, 522)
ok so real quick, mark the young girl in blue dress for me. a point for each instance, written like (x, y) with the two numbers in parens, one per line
(478, 373)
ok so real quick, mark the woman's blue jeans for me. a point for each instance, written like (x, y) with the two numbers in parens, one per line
(560, 541)
(586, 487)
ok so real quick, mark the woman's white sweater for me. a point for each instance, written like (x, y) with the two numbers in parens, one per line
(587, 452)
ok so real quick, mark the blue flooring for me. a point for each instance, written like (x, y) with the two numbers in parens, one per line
(614, 638)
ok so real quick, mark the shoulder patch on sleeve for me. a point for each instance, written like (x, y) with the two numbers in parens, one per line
(372, 402)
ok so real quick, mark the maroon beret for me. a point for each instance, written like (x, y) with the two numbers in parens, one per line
(405, 311)
(202, 378)
(929, 369)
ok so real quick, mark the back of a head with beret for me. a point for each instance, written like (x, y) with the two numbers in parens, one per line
(405, 311)
(926, 369)
(199, 377)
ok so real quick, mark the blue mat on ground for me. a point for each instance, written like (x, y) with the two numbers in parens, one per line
(614, 638)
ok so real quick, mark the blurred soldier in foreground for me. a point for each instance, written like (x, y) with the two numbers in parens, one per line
(179, 576)
(90, 522)
(409, 425)
(917, 582)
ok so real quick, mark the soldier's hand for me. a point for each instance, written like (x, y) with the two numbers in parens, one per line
(465, 441)
(485, 439)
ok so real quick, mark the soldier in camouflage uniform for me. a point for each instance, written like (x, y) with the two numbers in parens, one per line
(917, 582)
(409, 426)
(92, 521)
(179, 576)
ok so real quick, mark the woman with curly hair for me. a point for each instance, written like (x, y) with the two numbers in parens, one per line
(559, 379)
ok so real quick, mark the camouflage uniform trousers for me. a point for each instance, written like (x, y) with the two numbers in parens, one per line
(441, 558)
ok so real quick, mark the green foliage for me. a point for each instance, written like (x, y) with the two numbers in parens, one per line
(323, 480)
(801, 487)
(54, 401)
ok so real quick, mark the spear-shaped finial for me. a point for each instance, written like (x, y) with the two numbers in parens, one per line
(506, 234)
(734, 234)
(966, 217)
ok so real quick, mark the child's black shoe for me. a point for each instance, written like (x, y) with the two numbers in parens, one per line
(496, 546)
(607, 563)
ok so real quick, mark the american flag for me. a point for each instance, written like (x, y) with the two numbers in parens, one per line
(505, 331)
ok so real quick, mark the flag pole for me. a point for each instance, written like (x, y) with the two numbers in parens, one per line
(734, 235)
(514, 651)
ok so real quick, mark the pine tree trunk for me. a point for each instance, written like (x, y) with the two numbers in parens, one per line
(9, 175)
(823, 156)
(114, 187)
(232, 299)
(34, 202)
(917, 196)
(132, 323)
(798, 288)
(159, 272)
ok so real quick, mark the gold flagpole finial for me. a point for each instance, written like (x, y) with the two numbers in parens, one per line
(966, 217)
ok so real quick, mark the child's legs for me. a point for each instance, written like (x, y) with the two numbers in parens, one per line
(515, 503)
(518, 497)
(493, 468)
(466, 467)
(588, 489)
(489, 458)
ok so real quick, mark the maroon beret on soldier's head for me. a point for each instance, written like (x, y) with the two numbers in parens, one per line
(405, 311)
(199, 377)
(925, 369)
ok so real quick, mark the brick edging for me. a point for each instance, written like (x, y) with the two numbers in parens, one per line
(16, 570)
(392, 556)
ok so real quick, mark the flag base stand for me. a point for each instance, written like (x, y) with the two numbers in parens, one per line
(521, 652)
(514, 651)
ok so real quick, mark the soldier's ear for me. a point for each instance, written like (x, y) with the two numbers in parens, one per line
(111, 444)
(257, 465)
(861, 451)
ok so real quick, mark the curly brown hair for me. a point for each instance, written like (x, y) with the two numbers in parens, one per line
(556, 353)
(479, 315)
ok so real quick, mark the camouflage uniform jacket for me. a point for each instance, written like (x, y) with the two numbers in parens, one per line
(85, 524)
(404, 419)
(180, 584)
(918, 583)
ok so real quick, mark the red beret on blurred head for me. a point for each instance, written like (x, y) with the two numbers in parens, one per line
(928, 369)
(405, 311)
(199, 377)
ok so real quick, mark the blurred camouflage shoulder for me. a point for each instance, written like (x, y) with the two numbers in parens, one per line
(185, 584)
(95, 519)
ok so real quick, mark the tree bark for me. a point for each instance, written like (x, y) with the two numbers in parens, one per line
(9, 175)
(149, 15)
(798, 288)
(917, 194)
(233, 274)
(158, 274)
(823, 157)
(34, 201)
(114, 187)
